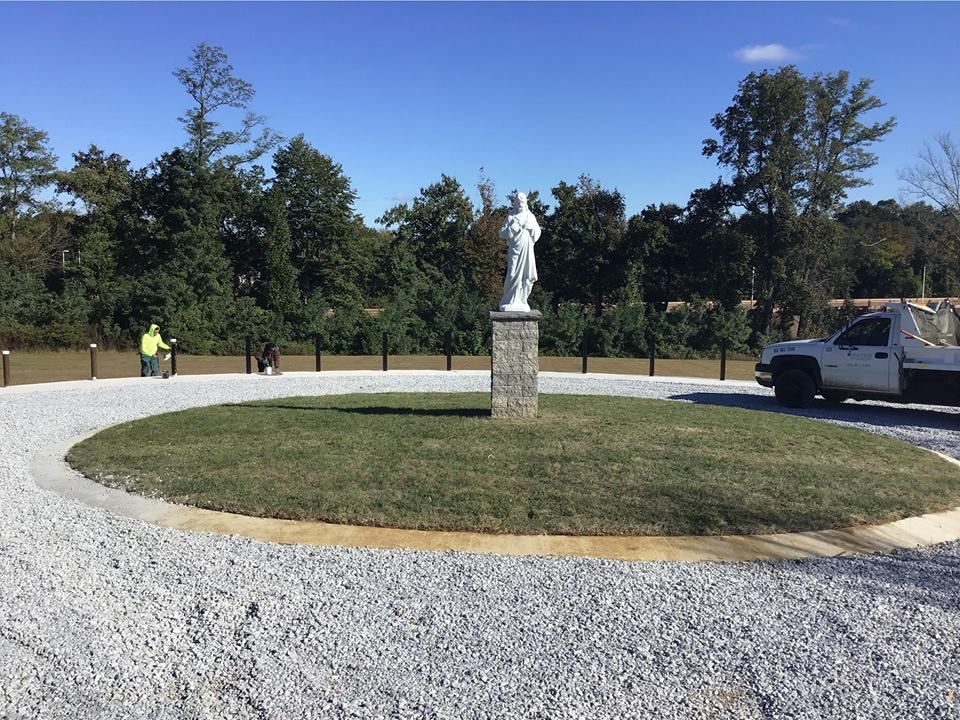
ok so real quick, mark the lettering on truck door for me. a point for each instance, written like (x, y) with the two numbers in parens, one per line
(860, 357)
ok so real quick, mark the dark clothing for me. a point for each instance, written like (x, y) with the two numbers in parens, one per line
(267, 354)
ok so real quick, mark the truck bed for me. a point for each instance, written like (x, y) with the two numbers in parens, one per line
(932, 358)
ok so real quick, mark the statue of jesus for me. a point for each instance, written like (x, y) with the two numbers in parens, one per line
(521, 231)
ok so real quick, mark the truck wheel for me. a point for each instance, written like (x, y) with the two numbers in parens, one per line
(795, 389)
(834, 396)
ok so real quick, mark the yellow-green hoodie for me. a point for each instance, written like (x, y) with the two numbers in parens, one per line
(150, 342)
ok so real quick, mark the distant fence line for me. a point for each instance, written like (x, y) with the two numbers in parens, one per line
(835, 304)
(448, 352)
(385, 356)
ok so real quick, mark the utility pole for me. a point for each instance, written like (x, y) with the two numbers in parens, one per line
(923, 286)
(753, 276)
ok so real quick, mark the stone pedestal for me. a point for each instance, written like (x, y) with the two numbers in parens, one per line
(514, 364)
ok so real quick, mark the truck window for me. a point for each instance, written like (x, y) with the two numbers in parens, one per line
(872, 332)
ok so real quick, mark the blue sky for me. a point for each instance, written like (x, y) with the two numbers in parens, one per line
(533, 92)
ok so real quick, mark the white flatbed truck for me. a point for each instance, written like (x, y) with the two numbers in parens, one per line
(904, 353)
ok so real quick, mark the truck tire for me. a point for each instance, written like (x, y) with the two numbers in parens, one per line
(795, 389)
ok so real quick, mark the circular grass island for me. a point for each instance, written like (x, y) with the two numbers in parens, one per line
(588, 465)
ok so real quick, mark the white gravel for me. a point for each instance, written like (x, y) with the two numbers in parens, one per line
(105, 617)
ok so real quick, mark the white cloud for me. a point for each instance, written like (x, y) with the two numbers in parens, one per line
(766, 53)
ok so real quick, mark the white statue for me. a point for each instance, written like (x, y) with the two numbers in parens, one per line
(521, 231)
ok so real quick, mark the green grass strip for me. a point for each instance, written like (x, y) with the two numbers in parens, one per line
(587, 465)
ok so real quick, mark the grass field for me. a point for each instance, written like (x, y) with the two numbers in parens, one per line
(587, 465)
(38, 367)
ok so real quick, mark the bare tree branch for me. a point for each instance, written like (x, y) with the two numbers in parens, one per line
(936, 177)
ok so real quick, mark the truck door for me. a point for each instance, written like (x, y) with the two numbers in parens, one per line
(860, 357)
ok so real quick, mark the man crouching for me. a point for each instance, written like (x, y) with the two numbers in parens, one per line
(268, 356)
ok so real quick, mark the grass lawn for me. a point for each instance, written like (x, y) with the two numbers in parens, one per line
(587, 465)
(38, 367)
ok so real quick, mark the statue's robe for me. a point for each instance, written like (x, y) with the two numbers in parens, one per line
(521, 231)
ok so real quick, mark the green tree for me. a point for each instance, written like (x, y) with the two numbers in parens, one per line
(210, 81)
(430, 235)
(937, 249)
(654, 240)
(374, 251)
(242, 197)
(281, 294)
(323, 225)
(890, 248)
(27, 166)
(717, 255)
(794, 146)
(484, 253)
(432, 231)
(24, 303)
(101, 185)
(584, 255)
(878, 247)
(176, 254)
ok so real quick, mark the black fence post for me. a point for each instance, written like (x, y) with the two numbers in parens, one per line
(93, 361)
(652, 347)
(384, 352)
(6, 368)
(173, 356)
(583, 352)
(316, 350)
(247, 343)
(723, 360)
(449, 350)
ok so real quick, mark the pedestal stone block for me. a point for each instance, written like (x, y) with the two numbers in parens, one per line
(514, 363)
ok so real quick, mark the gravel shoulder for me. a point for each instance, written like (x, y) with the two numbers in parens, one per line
(102, 616)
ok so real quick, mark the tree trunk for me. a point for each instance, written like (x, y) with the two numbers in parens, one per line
(766, 317)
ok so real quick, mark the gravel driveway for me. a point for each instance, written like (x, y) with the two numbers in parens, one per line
(105, 617)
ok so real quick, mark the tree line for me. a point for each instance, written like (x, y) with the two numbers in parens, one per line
(241, 231)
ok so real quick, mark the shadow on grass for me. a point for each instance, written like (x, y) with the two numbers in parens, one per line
(868, 414)
(374, 410)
